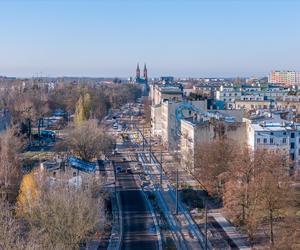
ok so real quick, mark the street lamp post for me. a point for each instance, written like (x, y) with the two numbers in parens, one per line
(150, 149)
(205, 224)
(143, 135)
(177, 190)
(161, 167)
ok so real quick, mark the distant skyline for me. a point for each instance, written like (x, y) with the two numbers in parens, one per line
(183, 38)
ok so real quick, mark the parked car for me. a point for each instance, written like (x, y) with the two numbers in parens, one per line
(119, 169)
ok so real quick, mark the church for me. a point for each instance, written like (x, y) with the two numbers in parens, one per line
(142, 80)
(138, 78)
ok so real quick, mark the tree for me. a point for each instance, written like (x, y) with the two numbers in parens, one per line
(10, 228)
(147, 110)
(27, 105)
(88, 141)
(62, 216)
(80, 115)
(240, 196)
(10, 169)
(29, 192)
(258, 190)
(275, 188)
(212, 162)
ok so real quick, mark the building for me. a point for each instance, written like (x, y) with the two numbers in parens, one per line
(160, 93)
(167, 79)
(275, 134)
(229, 94)
(142, 80)
(171, 114)
(208, 90)
(284, 77)
(250, 97)
(254, 104)
(195, 132)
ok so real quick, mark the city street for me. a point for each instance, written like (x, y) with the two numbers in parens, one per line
(138, 225)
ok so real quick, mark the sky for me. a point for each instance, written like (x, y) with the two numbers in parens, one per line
(183, 38)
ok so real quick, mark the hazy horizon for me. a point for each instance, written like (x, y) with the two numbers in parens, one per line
(179, 38)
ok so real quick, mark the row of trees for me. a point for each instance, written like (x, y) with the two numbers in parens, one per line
(27, 104)
(51, 217)
(255, 186)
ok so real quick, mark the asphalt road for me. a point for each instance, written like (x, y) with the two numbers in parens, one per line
(138, 226)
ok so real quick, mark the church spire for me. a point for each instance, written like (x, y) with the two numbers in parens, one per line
(145, 72)
(138, 72)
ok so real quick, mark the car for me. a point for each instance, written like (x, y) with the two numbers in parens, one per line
(145, 183)
(129, 171)
(119, 169)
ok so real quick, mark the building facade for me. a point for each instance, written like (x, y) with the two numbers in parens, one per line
(276, 135)
(284, 77)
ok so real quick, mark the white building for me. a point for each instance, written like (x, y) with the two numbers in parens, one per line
(170, 125)
(275, 134)
(195, 132)
(229, 95)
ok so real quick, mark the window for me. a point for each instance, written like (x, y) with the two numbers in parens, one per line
(299, 140)
(258, 140)
(298, 151)
(292, 145)
(292, 135)
(284, 133)
(271, 141)
(265, 140)
(284, 140)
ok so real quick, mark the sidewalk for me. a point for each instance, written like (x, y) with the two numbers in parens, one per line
(220, 231)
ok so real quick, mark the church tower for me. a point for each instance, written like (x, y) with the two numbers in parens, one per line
(138, 72)
(145, 72)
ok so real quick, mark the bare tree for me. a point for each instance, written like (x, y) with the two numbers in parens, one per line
(212, 162)
(10, 228)
(88, 140)
(275, 188)
(147, 110)
(258, 190)
(62, 216)
(10, 170)
(240, 196)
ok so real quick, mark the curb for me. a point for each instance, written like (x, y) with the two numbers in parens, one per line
(154, 220)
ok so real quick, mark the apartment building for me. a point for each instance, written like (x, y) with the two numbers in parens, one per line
(275, 134)
(252, 97)
(284, 77)
(195, 132)
(229, 95)
(171, 115)
(160, 93)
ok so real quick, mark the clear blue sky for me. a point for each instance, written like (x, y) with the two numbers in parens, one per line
(174, 37)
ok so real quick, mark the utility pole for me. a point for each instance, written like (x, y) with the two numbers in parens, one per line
(150, 148)
(161, 167)
(143, 135)
(205, 211)
(177, 190)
